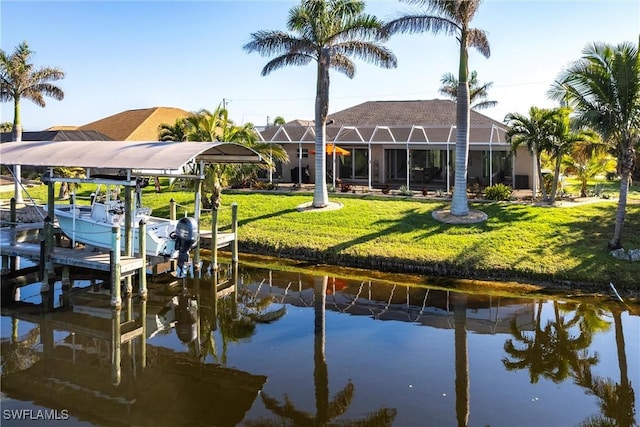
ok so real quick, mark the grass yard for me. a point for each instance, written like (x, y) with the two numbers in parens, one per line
(563, 245)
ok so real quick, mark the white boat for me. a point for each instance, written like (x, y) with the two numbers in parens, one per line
(92, 225)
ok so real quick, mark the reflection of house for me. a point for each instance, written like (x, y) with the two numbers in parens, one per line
(419, 305)
(405, 142)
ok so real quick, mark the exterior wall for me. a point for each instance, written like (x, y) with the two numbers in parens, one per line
(523, 176)
(522, 165)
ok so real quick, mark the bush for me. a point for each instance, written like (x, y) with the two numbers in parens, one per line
(498, 192)
(404, 191)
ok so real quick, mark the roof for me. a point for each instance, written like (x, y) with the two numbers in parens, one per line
(430, 121)
(434, 112)
(152, 155)
(136, 125)
(58, 135)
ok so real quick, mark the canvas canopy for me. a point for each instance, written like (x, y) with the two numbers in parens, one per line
(134, 155)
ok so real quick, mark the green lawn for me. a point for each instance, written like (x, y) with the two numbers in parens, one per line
(563, 245)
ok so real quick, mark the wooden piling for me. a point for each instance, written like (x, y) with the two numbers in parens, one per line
(142, 250)
(214, 239)
(172, 210)
(114, 265)
(234, 230)
(45, 259)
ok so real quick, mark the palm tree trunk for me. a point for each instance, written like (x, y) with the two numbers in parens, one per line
(320, 194)
(459, 201)
(616, 241)
(17, 136)
(543, 190)
(556, 177)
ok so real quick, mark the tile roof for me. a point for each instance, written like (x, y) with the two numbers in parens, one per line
(136, 125)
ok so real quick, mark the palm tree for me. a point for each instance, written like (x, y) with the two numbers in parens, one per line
(604, 88)
(176, 132)
(585, 163)
(328, 32)
(566, 135)
(536, 133)
(18, 79)
(477, 94)
(216, 126)
(451, 18)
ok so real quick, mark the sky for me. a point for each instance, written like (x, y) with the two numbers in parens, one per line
(124, 55)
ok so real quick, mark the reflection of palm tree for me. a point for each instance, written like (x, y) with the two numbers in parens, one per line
(617, 401)
(553, 352)
(462, 358)
(326, 410)
(17, 354)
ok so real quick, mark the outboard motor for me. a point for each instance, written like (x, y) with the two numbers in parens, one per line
(186, 237)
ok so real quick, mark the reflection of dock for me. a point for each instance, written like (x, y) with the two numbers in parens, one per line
(102, 370)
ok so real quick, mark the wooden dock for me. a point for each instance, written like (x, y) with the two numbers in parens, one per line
(84, 258)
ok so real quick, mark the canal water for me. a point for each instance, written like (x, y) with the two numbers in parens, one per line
(293, 347)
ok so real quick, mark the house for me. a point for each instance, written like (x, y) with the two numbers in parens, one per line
(136, 125)
(54, 134)
(408, 143)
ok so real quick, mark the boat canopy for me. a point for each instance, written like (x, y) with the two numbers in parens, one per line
(132, 155)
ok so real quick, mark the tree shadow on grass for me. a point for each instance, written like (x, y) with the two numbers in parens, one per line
(266, 216)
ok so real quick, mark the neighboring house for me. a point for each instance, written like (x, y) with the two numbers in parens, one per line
(136, 125)
(58, 135)
(408, 143)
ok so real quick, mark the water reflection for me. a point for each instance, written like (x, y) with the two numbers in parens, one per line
(318, 350)
(327, 410)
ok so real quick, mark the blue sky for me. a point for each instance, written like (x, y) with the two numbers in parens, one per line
(123, 55)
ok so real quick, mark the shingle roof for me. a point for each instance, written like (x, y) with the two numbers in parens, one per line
(136, 125)
(434, 112)
(58, 135)
(415, 121)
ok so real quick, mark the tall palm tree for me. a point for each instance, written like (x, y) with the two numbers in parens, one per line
(451, 18)
(604, 88)
(330, 33)
(536, 132)
(19, 79)
(477, 93)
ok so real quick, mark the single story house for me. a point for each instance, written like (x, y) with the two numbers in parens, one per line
(397, 143)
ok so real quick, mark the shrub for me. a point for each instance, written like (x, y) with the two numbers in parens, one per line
(498, 192)
(404, 191)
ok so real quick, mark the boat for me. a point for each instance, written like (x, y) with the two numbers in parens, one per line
(92, 225)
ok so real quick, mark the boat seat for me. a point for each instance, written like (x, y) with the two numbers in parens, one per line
(99, 212)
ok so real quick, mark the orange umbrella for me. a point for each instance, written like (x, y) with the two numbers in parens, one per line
(331, 148)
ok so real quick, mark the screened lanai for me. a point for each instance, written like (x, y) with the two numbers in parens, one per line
(407, 155)
(410, 143)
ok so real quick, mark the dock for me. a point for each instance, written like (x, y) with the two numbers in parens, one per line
(27, 234)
